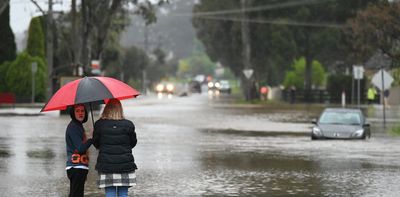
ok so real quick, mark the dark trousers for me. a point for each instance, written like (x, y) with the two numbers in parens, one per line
(77, 178)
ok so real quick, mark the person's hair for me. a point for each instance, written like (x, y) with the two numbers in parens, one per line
(113, 110)
(71, 110)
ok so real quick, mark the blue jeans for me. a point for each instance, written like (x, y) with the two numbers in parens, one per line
(117, 191)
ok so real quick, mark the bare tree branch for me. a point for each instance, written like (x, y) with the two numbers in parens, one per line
(38, 6)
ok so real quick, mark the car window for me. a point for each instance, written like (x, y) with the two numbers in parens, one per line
(352, 118)
(343, 117)
(329, 118)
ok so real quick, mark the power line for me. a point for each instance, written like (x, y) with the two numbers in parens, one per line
(274, 22)
(253, 9)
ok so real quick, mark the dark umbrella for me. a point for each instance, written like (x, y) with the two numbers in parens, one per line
(89, 90)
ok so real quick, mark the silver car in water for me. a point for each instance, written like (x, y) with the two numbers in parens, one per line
(340, 123)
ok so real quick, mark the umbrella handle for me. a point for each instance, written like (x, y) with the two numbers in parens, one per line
(91, 113)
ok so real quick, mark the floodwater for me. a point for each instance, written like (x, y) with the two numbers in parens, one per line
(192, 146)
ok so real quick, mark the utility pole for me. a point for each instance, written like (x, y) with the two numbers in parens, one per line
(75, 39)
(246, 50)
(49, 49)
(383, 97)
(144, 74)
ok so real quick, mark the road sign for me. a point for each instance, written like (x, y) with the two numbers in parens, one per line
(358, 72)
(248, 73)
(96, 67)
(34, 67)
(387, 80)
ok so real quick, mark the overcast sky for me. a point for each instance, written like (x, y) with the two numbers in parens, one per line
(21, 12)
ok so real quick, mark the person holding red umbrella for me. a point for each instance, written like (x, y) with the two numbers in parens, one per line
(95, 90)
(77, 146)
(115, 137)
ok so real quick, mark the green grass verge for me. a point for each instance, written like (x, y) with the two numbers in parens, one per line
(395, 130)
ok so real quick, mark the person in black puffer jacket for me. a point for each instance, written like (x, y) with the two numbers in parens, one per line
(115, 137)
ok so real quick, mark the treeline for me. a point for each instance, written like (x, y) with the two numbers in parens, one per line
(337, 34)
(89, 31)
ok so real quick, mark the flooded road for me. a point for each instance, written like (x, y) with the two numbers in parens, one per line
(192, 146)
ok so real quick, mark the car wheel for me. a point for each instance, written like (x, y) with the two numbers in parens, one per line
(364, 136)
(313, 137)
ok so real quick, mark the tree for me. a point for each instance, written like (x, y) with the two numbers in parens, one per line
(279, 32)
(197, 63)
(7, 44)
(135, 60)
(376, 28)
(100, 19)
(160, 67)
(8, 47)
(3, 72)
(321, 36)
(19, 77)
(295, 77)
(84, 33)
(35, 44)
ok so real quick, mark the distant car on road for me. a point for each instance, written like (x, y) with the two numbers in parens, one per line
(165, 88)
(195, 86)
(340, 123)
(213, 85)
(225, 87)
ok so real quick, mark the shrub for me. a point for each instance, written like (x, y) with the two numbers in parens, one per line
(19, 77)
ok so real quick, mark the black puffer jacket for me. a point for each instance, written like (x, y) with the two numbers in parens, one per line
(115, 140)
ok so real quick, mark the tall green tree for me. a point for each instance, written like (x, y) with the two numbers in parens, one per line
(197, 63)
(159, 67)
(279, 32)
(376, 28)
(322, 36)
(135, 61)
(8, 47)
(3, 73)
(36, 40)
(295, 77)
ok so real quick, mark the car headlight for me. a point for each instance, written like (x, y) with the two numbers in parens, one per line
(316, 131)
(160, 87)
(358, 133)
(210, 84)
(217, 85)
(170, 87)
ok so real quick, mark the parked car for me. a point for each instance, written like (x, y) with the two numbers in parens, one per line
(340, 123)
(195, 86)
(225, 87)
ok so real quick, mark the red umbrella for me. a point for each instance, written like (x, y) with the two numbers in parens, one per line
(88, 90)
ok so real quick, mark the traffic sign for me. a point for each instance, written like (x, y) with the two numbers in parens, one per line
(34, 67)
(248, 73)
(358, 71)
(387, 79)
(96, 67)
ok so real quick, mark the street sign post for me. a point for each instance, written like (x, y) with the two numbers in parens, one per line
(248, 72)
(95, 64)
(34, 70)
(358, 73)
(383, 81)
